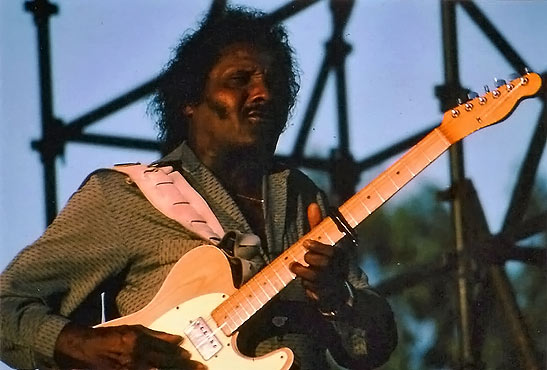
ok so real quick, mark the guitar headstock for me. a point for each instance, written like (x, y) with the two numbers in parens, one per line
(490, 108)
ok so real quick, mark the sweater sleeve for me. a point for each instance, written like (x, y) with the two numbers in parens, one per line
(50, 278)
(367, 333)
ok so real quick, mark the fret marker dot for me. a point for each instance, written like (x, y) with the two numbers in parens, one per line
(368, 196)
(398, 172)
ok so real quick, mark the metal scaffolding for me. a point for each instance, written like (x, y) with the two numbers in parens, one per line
(473, 239)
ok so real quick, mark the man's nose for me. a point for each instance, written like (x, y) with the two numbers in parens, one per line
(259, 90)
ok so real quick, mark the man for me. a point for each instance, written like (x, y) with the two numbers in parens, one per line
(223, 101)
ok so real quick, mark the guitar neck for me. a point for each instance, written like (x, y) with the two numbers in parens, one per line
(457, 123)
(260, 289)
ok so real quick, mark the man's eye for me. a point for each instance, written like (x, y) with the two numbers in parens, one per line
(239, 78)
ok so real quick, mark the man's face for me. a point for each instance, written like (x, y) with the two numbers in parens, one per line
(244, 103)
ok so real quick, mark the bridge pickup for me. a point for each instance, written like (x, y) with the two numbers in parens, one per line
(203, 338)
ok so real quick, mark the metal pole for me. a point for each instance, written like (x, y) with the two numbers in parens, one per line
(457, 177)
(42, 10)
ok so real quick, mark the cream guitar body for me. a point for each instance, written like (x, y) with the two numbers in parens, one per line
(198, 283)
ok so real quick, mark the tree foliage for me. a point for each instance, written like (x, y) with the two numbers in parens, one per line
(412, 247)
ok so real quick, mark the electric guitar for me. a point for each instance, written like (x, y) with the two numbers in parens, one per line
(202, 305)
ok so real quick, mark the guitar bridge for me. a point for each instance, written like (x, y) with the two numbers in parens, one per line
(203, 338)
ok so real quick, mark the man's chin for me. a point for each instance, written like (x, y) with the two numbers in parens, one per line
(259, 144)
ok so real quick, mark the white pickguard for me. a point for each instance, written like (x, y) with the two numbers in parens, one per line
(189, 293)
(176, 320)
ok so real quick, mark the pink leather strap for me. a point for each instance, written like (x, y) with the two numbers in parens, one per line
(169, 192)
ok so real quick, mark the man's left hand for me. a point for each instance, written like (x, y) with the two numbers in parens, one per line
(327, 270)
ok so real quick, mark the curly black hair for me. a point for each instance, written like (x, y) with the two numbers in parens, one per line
(183, 79)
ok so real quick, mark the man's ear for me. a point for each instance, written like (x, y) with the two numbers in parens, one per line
(188, 111)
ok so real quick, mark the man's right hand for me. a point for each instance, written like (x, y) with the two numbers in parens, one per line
(121, 347)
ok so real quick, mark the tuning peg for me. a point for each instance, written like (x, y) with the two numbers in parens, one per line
(513, 76)
(472, 95)
(486, 89)
(460, 102)
(499, 82)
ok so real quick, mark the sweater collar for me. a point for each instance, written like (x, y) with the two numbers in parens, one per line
(203, 180)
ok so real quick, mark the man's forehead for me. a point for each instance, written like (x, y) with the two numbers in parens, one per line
(245, 52)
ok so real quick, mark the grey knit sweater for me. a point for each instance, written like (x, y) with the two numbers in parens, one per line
(110, 239)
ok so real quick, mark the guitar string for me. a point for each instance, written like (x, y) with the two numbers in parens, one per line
(212, 333)
(209, 319)
(212, 323)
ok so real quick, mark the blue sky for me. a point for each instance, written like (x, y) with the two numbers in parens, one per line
(101, 49)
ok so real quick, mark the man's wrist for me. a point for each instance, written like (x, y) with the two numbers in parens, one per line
(343, 305)
(70, 346)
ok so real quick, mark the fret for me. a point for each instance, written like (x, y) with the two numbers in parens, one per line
(230, 327)
(350, 219)
(417, 160)
(364, 205)
(325, 234)
(267, 286)
(423, 147)
(247, 292)
(331, 229)
(357, 208)
(409, 170)
(436, 148)
(401, 175)
(318, 233)
(237, 308)
(240, 305)
(369, 198)
(386, 187)
(290, 254)
(418, 163)
(270, 281)
(288, 275)
(221, 316)
(233, 311)
(378, 193)
(297, 253)
(442, 137)
(224, 320)
(397, 179)
(397, 187)
(247, 305)
(274, 269)
(257, 292)
(429, 159)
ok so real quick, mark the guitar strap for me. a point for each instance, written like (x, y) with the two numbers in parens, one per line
(171, 194)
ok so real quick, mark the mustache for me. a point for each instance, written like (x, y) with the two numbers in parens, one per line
(263, 110)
